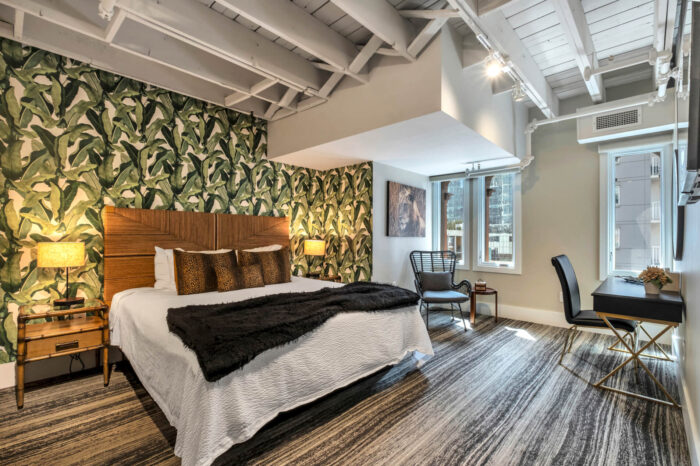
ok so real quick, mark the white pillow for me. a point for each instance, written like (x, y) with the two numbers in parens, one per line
(164, 269)
(272, 247)
(218, 251)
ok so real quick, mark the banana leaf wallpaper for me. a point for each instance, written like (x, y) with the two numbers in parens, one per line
(73, 139)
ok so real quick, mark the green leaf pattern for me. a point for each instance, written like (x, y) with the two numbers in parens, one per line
(73, 139)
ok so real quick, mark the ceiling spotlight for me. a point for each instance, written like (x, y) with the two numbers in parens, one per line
(518, 92)
(493, 68)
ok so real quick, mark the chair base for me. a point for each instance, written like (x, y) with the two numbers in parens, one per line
(452, 311)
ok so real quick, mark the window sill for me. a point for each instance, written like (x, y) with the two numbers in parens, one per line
(462, 267)
(495, 269)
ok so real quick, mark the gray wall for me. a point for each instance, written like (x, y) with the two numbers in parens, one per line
(689, 341)
(390, 254)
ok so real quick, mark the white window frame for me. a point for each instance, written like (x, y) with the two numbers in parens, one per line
(607, 183)
(466, 236)
(478, 226)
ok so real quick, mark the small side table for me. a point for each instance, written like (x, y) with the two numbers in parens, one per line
(486, 292)
(74, 334)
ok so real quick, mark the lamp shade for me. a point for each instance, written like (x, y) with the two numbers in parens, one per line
(314, 247)
(60, 254)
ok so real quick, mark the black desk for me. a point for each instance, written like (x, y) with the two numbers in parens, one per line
(617, 299)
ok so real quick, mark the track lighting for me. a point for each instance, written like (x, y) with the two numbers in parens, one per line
(493, 67)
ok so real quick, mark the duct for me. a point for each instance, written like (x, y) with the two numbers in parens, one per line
(614, 65)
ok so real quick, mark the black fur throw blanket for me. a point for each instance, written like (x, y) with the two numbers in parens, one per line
(227, 336)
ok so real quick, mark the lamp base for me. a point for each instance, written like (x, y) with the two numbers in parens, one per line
(68, 302)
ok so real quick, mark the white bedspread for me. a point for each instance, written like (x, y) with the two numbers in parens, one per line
(210, 417)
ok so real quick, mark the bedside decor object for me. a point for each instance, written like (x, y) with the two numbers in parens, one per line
(62, 255)
(83, 328)
(654, 279)
(314, 247)
(405, 210)
(479, 285)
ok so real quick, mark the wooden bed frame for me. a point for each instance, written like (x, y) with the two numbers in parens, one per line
(130, 236)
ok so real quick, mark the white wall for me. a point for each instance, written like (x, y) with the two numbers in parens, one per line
(688, 345)
(390, 261)
(466, 95)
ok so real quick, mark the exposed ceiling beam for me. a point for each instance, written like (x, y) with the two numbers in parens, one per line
(485, 6)
(285, 101)
(424, 36)
(114, 25)
(495, 29)
(166, 50)
(51, 12)
(382, 20)
(295, 25)
(573, 22)
(358, 63)
(214, 33)
(18, 25)
(429, 14)
(54, 38)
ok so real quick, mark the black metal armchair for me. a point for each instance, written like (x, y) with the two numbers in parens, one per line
(434, 281)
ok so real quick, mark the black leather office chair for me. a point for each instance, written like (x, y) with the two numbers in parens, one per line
(434, 281)
(580, 318)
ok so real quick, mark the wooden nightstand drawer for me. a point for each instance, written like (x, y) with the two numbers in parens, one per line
(54, 346)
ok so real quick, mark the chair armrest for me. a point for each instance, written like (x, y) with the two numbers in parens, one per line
(418, 288)
(464, 283)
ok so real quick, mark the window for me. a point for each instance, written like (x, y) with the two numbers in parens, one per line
(498, 224)
(493, 235)
(636, 216)
(452, 218)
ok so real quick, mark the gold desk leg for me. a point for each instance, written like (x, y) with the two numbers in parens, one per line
(634, 356)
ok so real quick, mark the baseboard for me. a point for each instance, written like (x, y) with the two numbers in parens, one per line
(689, 420)
(557, 319)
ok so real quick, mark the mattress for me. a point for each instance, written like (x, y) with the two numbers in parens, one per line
(210, 417)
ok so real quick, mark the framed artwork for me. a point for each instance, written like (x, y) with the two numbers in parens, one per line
(405, 210)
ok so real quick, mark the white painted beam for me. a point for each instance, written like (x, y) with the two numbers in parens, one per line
(114, 25)
(295, 25)
(18, 25)
(166, 50)
(214, 33)
(382, 20)
(237, 97)
(424, 36)
(358, 63)
(48, 36)
(51, 12)
(430, 14)
(575, 27)
(495, 29)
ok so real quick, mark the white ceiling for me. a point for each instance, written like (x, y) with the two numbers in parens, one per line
(432, 144)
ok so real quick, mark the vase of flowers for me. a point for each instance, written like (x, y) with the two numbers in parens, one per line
(654, 279)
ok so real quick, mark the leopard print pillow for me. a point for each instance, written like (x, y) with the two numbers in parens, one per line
(276, 267)
(194, 272)
(236, 278)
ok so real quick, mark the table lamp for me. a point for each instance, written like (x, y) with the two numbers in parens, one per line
(314, 247)
(62, 255)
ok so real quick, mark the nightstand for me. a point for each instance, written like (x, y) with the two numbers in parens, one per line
(81, 328)
(327, 278)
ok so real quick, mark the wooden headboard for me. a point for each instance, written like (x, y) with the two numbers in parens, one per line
(130, 236)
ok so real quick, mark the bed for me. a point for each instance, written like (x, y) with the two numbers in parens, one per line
(210, 417)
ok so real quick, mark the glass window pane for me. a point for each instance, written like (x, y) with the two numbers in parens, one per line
(452, 226)
(637, 211)
(498, 212)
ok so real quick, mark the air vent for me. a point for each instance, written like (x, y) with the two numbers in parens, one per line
(617, 120)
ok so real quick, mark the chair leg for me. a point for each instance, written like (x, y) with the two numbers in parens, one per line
(427, 316)
(568, 342)
(452, 311)
(464, 322)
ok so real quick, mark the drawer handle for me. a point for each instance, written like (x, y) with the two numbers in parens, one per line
(69, 345)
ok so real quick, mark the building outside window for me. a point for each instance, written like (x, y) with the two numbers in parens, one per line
(637, 214)
(453, 222)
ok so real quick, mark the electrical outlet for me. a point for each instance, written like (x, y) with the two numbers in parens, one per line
(561, 297)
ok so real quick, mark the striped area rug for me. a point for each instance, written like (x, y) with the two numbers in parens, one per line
(494, 395)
